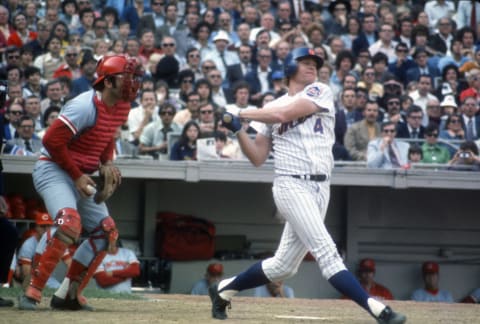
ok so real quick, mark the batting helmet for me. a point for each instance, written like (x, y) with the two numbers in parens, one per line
(291, 61)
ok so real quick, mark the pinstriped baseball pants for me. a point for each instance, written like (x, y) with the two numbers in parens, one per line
(303, 204)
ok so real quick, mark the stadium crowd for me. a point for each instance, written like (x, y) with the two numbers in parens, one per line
(405, 74)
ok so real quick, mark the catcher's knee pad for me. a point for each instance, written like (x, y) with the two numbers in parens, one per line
(69, 225)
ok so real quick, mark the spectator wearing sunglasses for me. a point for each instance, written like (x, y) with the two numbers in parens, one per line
(386, 152)
(12, 57)
(193, 63)
(186, 79)
(99, 31)
(432, 151)
(392, 109)
(10, 120)
(154, 138)
(206, 120)
(413, 128)
(453, 130)
(169, 65)
(70, 68)
(191, 111)
(27, 140)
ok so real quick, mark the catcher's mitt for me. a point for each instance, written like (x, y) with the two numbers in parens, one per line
(110, 178)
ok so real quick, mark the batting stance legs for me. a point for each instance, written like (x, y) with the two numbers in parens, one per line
(304, 205)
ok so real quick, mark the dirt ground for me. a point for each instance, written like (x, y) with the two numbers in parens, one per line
(196, 309)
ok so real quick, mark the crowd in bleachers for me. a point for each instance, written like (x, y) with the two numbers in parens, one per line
(414, 65)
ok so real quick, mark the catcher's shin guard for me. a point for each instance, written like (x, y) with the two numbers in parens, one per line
(79, 274)
(69, 229)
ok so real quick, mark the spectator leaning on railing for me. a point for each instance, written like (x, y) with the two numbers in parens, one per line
(386, 152)
(432, 151)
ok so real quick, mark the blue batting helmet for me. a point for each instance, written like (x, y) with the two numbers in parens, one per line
(297, 54)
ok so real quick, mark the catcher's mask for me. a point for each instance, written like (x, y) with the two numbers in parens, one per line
(129, 67)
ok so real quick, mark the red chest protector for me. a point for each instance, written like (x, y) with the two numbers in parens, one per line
(87, 147)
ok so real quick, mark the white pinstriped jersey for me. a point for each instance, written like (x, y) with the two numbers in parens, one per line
(304, 146)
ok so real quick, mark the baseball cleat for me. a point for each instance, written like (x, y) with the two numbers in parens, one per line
(219, 304)
(388, 316)
(26, 303)
(69, 304)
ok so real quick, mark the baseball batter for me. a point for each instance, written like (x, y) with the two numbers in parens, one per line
(300, 126)
(77, 144)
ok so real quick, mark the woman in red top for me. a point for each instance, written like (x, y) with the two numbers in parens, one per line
(21, 35)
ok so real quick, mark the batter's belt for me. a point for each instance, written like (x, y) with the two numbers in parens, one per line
(311, 177)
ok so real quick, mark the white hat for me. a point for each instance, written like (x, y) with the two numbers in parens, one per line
(221, 35)
(448, 101)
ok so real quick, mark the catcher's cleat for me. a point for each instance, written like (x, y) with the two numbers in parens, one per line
(69, 304)
(27, 303)
(6, 302)
(388, 316)
(219, 304)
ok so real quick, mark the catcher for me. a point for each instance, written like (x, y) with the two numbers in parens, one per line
(78, 143)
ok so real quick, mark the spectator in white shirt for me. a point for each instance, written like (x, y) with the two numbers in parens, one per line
(437, 9)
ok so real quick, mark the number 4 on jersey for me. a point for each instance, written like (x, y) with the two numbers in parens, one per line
(318, 126)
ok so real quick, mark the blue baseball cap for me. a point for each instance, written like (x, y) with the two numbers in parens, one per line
(277, 75)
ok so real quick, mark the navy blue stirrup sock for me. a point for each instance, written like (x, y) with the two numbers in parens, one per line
(348, 285)
(252, 277)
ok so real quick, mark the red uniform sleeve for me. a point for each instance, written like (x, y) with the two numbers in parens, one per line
(107, 154)
(55, 141)
(133, 270)
(381, 291)
(104, 281)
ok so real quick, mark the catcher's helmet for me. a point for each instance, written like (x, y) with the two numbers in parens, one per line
(114, 64)
(117, 64)
(297, 54)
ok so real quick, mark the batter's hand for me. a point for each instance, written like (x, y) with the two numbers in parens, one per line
(231, 122)
(82, 184)
(233, 110)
